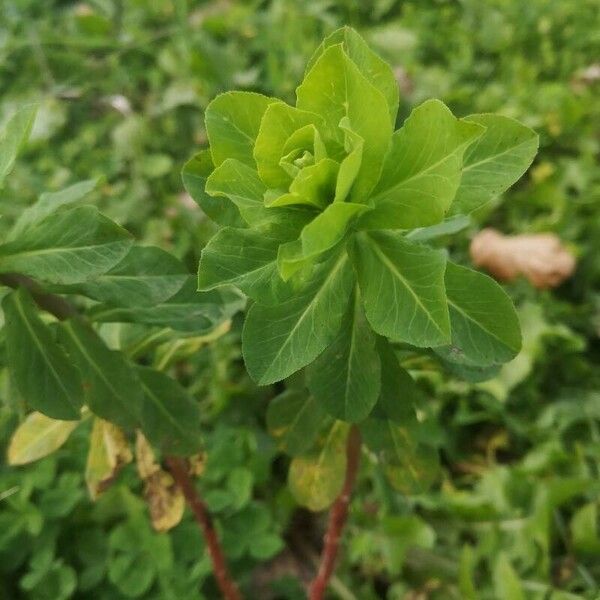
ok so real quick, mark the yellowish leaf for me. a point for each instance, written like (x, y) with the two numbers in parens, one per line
(144, 456)
(197, 464)
(109, 451)
(316, 479)
(36, 437)
(165, 501)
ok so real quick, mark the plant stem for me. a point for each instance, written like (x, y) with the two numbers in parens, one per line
(337, 518)
(55, 305)
(179, 470)
(62, 309)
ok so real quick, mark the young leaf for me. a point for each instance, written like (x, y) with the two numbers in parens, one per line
(335, 88)
(294, 419)
(316, 479)
(188, 310)
(278, 124)
(374, 68)
(145, 277)
(40, 368)
(50, 202)
(194, 175)
(109, 451)
(67, 247)
(495, 161)
(278, 340)
(346, 377)
(246, 258)
(37, 436)
(13, 136)
(350, 165)
(313, 186)
(325, 231)
(232, 124)
(402, 285)
(422, 170)
(111, 389)
(170, 418)
(485, 326)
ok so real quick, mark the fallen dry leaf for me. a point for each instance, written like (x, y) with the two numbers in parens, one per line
(541, 258)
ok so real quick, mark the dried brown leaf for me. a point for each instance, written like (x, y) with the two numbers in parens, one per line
(541, 258)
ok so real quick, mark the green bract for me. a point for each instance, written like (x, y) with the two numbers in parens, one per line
(318, 204)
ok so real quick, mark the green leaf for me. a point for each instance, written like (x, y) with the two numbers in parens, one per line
(36, 437)
(246, 258)
(422, 170)
(495, 161)
(317, 478)
(243, 187)
(335, 89)
(507, 585)
(324, 232)
(410, 467)
(279, 122)
(374, 68)
(50, 202)
(294, 418)
(400, 395)
(111, 389)
(584, 530)
(67, 247)
(188, 310)
(466, 572)
(241, 184)
(13, 136)
(145, 277)
(278, 340)
(40, 368)
(346, 378)
(170, 418)
(450, 226)
(484, 323)
(313, 186)
(350, 165)
(232, 124)
(194, 175)
(402, 286)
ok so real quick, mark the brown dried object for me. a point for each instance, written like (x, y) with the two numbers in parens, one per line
(541, 258)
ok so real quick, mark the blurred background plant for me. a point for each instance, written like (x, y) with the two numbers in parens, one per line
(122, 87)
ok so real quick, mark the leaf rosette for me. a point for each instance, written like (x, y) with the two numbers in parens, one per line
(326, 213)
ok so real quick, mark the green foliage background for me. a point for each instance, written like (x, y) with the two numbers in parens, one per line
(122, 87)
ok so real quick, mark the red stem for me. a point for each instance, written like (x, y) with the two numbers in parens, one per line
(337, 518)
(179, 469)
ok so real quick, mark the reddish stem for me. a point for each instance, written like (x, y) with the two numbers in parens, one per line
(179, 469)
(337, 518)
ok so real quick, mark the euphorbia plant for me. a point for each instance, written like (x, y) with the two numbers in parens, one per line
(326, 215)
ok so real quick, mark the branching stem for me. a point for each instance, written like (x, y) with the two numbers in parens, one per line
(337, 519)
